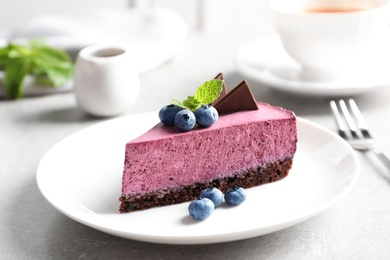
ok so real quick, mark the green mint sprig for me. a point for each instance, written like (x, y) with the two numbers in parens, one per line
(50, 67)
(206, 93)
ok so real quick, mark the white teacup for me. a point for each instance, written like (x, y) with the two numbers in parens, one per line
(327, 37)
(106, 80)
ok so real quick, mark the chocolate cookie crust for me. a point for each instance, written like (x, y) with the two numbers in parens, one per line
(246, 179)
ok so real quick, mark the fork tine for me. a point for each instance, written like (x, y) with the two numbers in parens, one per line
(362, 140)
(341, 127)
(362, 124)
(350, 122)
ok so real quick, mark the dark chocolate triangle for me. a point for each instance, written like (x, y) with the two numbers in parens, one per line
(238, 99)
(223, 92)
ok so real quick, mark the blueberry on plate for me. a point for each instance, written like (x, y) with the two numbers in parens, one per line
(206, 115)
(201, 209)
(185, 120)
(214, 194)
(167, 114)
(235, 196)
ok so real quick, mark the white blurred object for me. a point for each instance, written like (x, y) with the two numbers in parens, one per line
(155, 34)
(106, 80)
(265, 61)
(327, 44)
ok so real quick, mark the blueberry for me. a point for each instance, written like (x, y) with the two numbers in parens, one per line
(167, 114)
(185, 120)
(201, 209)
(235, 196)
(214, 194)
(206, 115)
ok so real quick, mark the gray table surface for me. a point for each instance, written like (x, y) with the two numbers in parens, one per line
(358, 227)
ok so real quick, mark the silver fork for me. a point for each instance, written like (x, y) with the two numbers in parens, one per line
(354, 129)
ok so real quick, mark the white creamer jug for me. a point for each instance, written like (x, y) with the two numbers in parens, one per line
(106, 80)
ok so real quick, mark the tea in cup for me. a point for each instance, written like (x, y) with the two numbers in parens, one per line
(329, 37)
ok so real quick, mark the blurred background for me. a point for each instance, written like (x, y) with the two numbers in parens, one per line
(157, 29)
(212, 16)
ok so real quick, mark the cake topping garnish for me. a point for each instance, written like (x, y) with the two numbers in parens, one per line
(185, 120)
(238, 99)
(210, 100)
(206, 115)
(206, 93)
(167, 114)
(223, 91)
(195, 109)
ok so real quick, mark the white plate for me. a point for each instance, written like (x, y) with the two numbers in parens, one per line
(265, 61)
(81, 177)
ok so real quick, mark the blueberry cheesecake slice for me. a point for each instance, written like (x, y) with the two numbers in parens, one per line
(211, 139)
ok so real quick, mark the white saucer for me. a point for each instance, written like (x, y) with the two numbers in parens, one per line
(266, 62)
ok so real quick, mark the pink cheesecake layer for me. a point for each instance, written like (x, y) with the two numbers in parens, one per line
(244, 140)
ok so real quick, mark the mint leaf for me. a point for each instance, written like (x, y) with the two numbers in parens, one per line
(206, 93)
(209, 91)
(46, 64)
(191, 103)
(177, 102)
(53, 66)
(14, 76)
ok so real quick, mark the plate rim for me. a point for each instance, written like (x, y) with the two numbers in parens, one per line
(114, 229)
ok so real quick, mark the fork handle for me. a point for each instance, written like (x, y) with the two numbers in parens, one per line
(383, 158)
